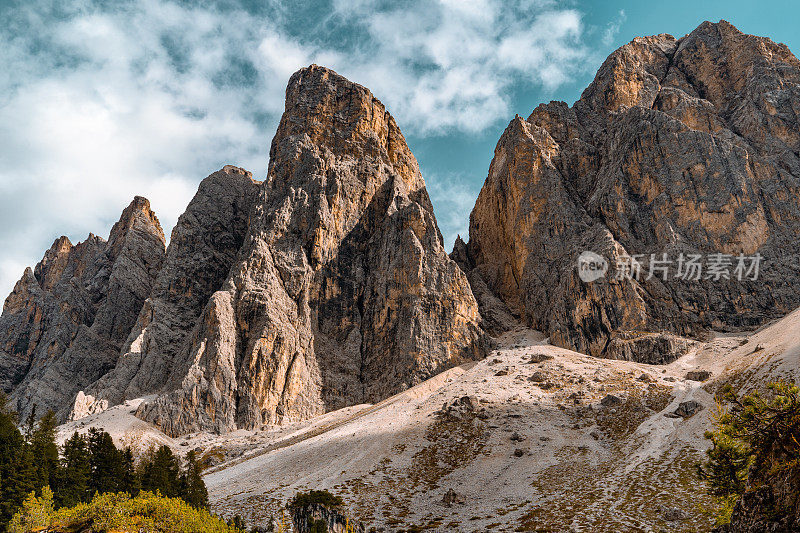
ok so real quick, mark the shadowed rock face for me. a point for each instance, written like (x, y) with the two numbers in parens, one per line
(203, 246)
(687, 145)
(64, 324)
(342, 292)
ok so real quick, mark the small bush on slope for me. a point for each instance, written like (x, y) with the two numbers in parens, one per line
(321, 497)
(756, 440)
(146, 513)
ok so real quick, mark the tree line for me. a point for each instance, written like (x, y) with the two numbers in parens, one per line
(85, 465)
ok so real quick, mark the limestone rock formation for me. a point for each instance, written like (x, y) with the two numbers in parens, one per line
(202, 249)
(678, 146)
(342, 292)
(63, 325)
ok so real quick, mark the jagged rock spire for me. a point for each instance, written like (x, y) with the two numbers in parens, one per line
(342, 293)
(63, 325)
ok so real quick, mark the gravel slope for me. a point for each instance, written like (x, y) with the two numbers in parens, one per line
(533, 448)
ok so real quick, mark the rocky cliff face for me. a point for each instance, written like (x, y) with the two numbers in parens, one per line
(325, 286)
(679, 146)
(203, 247)
(342, 292)
(64, 324)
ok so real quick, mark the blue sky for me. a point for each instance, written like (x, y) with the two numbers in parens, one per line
(100, 101)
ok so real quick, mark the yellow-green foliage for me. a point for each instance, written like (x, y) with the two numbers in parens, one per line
(146, 513)
(756, 440)
(35, 513)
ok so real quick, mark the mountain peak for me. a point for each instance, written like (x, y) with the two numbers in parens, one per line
(339, 285)
(341, 116)
(48, 271)
(137, 214)
(609, 175)
(63, 326)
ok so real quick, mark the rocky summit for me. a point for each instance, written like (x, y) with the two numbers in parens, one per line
(678, 148)
(64, 324)
(342, 292)
(325, 286)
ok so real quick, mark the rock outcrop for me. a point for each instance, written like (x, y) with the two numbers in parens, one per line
(306, 519)
(679, 146)
(342, 292)
(63, 325)
(202, 249)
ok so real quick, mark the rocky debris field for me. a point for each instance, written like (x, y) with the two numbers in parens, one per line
(533, 438)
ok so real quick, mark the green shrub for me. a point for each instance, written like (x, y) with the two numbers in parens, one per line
(755, 439)
(147, 513)
(321, 497)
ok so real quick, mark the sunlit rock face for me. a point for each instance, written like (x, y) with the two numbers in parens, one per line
(679, 146)
(341, 293)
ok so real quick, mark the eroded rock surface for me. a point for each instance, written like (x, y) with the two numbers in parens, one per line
(687, 145)
(63, 325)
(342, 292)
(203, 247)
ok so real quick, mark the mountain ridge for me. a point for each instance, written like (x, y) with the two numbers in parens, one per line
(310, 331)
(66, 319)
(662, 154)
(326, 285)
(281, 300)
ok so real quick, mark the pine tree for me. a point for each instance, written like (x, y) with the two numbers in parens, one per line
(105, 463)
(30, 424)
(193, 488)
(129, 482)
(45, 451)
(19, 482)
(15, 465)
(73, 480)
(162, 473)
(756, 440)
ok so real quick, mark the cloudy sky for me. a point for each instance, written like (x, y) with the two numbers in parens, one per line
(100, 101)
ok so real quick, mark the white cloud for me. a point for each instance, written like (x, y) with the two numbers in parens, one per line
(102, 101)
(131, 113)
(463, 56)
(613, 27)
